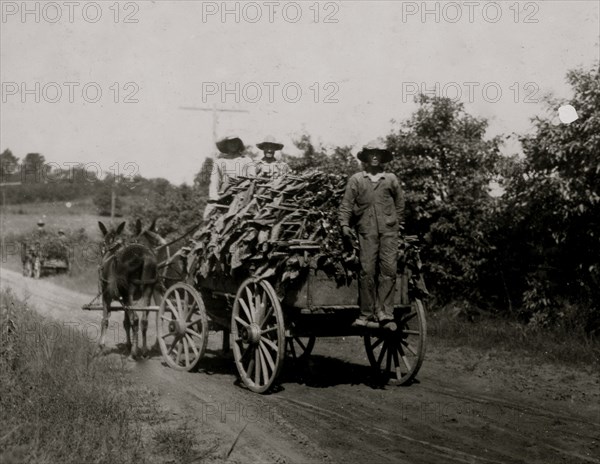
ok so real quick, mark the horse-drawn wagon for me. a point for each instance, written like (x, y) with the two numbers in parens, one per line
(40, 256)
(268, 271)
(267, 268)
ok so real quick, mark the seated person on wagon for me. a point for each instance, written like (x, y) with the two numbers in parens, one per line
(269, 165)
(231, 164)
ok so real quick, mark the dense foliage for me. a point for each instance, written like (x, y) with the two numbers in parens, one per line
(549, 220)
(35, 180)
(446, 166)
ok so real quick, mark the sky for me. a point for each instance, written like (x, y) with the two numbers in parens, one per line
(106, 83)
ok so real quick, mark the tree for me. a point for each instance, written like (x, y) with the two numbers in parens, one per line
(446, 166)
(341, 161)
(8, 165)
(33, 167)
(552, 211)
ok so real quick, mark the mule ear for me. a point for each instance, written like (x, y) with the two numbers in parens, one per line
(138, 227)
(102, 228)
(120, 228)
(152, 227)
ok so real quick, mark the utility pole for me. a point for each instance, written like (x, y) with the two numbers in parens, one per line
(113, 200)
(215, 117)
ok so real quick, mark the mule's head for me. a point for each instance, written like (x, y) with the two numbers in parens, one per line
(112, 239)
(149, 236)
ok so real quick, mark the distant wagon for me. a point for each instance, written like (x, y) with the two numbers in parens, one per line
(41, 257)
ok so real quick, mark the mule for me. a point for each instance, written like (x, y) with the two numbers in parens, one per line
(128, 272)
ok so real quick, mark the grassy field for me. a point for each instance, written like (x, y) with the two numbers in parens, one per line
(60, 403)
(19, 219)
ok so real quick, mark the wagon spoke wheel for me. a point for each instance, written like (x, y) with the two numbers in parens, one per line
(299, 348)
(398, 355)
(258, 334)
(182, 327)
(37, 268)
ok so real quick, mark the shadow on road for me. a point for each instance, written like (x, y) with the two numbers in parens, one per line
(316, 372)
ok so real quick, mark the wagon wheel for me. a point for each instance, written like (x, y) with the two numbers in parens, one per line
(258, 334)
(37, 268)
(27, 268)
(299, 348)
(182, 327)
(402, 350)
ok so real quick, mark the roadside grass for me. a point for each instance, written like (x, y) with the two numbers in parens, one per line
(181, 443)
(60, 403)
(488, 333)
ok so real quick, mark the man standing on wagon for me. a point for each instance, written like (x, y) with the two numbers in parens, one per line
(374, 202)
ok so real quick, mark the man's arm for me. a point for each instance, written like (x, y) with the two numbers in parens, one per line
(215, 181)
(398, 195)
(347, 203)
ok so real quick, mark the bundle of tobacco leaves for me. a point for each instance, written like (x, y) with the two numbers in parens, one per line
(46, 245)
(279, 228)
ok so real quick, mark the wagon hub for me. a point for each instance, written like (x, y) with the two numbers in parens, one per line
(177, 327)
(251, 334)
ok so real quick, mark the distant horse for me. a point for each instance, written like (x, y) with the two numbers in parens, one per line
(128, 272)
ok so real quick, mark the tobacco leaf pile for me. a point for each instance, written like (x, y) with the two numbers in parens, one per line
(278, 228)
(46, 245)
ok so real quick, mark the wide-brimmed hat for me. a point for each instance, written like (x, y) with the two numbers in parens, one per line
(375, 146)
(232, 141)
(270, 143)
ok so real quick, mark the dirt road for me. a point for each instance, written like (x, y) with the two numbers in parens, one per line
(466, 407)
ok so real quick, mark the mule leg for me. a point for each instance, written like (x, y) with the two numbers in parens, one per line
(148, 290)
(104, 324)
(135, 323)
(157, 296)
(144, 330)
(127, 327)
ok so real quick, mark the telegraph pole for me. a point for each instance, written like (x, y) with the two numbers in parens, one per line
(113, 200)
(215, 117)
